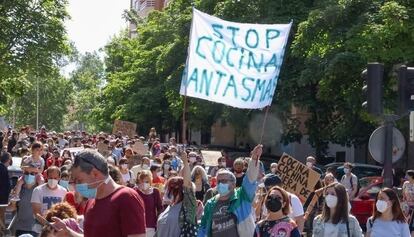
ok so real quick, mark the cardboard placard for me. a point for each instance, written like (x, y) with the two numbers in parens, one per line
(127, 128)
(140, 148)
(296, 177)
(210, 157)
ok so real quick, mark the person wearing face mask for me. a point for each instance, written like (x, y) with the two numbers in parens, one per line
(176, 162)
(230, 213)
(166, 166)
(45, 195)
(277, 222)
(335, 219)
(200, 179)
(5, 161)
(179, 217)
(387, 218)
(145, 165)
(72, 197)
(127, 176)
(221, 164)
(24, 214)
(311, 164)
(92, 181)
(157, 180)
(408, 198)
(350, 181)
(152, 199)
(273, 168)
(238, 167)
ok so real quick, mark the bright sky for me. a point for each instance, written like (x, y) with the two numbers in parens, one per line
(94, 22)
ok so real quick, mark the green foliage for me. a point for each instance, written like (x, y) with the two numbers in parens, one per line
(87, 80)
(54, 97)
(32, 40)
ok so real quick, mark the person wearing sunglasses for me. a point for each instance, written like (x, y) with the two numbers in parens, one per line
(230, 213)
(112, 209)
(335, 219)
(277, 222)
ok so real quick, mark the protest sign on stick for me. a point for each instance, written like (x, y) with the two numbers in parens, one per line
(127, 128)
(236, 64)
(296, 177)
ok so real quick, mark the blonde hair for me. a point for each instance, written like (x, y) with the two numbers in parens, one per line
(145, 174)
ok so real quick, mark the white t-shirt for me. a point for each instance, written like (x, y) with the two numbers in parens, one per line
(346, 181)
(47, 197)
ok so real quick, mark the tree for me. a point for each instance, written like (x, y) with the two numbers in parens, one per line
(55, 93)
(88, 80)
(32, 41)
(336, 41)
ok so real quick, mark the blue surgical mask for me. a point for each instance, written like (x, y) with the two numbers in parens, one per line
(223, 189)
(64, 183)
(29, 179)
(87, 192)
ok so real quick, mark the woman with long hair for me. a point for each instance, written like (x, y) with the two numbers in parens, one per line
(179, 218)
(387, 218)
(200, 179)
(277, 223)
(335, 219)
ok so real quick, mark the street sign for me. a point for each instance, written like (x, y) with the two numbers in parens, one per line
(376, 144)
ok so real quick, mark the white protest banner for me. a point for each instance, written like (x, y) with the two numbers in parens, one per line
(236, 64)
(296, 177)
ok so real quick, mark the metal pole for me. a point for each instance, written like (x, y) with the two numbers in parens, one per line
(389, 126)
(37, 103)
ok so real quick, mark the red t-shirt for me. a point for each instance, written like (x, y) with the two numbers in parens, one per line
(80, 207)
(58, 162)
(153, 207)
(120, 214)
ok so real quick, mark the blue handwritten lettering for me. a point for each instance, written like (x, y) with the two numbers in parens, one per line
(269, 36)
(198, 46)
(248, 33)
(246, 87)
(231, 83)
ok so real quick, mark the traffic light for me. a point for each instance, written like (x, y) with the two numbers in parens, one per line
(405, 89)
(372, 89)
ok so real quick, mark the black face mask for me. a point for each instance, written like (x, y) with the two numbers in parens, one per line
(273, 204)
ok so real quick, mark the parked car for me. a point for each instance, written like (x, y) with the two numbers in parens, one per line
(360, 170)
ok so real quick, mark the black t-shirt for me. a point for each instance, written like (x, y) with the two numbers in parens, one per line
(239, 181)
(224, 223)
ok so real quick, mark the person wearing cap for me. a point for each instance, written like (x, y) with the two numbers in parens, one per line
(310, 163)
(297, 214)
(230, 212)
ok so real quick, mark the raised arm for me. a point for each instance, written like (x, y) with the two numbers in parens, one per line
(186, 171)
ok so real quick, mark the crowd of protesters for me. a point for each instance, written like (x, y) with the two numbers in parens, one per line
(170, 192)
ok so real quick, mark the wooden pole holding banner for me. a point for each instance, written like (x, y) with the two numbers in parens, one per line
(184, 126)
(263, 128)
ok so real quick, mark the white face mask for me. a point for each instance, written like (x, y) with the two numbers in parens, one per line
(381, 206)
(273, 170)
(145, 186)
(346, 170)
(124, 166)
(167, 166)
(309, 164)
(52, 183)
(331, 200)
(192, 159)
(223, 164)
(145, 166)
